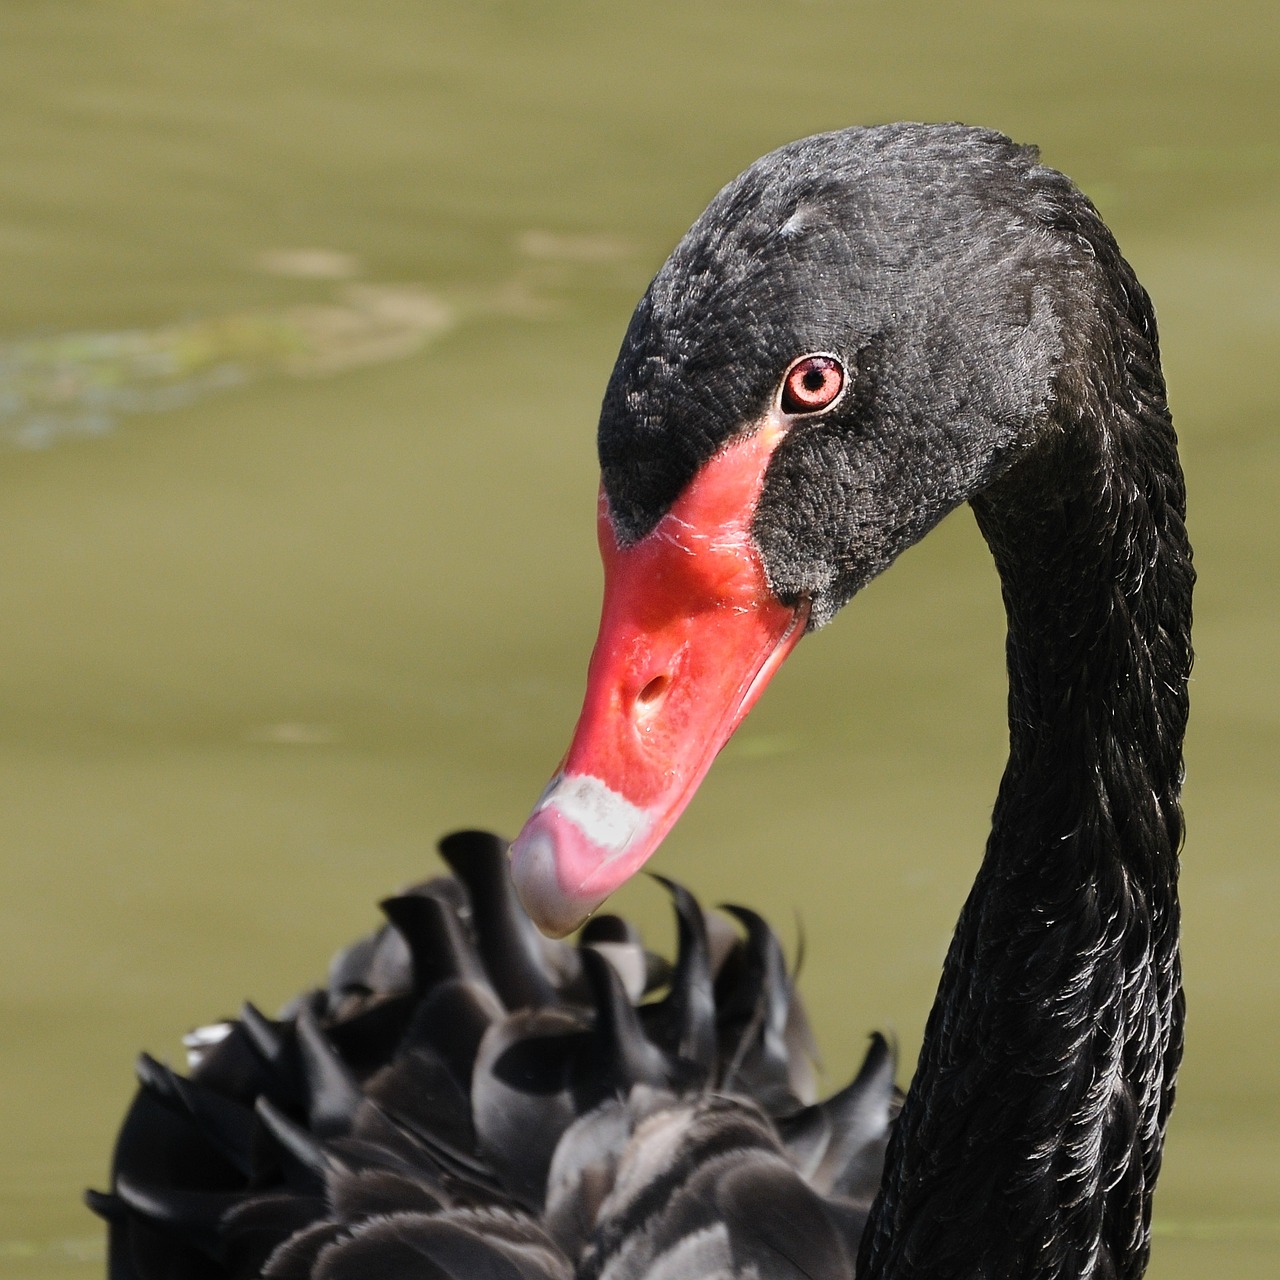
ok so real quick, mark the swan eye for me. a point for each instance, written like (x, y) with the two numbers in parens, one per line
(812, 383)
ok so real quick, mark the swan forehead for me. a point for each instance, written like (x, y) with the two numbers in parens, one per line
(935, 245)
(752, 286)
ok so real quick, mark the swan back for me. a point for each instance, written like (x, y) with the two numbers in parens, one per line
(465, 1098)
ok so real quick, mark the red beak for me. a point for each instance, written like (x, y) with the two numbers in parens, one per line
(690, 633)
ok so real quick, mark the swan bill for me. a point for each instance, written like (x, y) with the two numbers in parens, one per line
(690, 633)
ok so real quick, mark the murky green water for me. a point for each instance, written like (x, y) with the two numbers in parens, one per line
(305, 311)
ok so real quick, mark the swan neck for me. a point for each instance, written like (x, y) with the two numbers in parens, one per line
(1096, 579)
(1031, 1139)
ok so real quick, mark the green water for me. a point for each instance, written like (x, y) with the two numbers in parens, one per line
(305, 312)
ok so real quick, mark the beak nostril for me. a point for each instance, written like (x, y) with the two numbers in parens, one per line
(653, 690)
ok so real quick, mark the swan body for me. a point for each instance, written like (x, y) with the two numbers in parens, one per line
(465, 1098)
(863, 331)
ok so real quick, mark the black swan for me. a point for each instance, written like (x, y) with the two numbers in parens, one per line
(863, 331)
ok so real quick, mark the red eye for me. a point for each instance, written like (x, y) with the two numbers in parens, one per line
(812, 383)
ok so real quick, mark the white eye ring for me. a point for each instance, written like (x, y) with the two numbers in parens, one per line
(812, 383)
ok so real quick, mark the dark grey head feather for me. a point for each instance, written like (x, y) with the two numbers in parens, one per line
(931, 259)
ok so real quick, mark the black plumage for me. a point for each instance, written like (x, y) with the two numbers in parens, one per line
(528, 1117)
(495, 1091)
(1000, 351)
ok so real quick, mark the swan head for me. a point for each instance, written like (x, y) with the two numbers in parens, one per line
(864, 330)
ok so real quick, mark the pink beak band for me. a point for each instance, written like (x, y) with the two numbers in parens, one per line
(690, 633)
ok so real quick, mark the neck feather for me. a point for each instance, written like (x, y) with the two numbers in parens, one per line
(1030, 1142)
